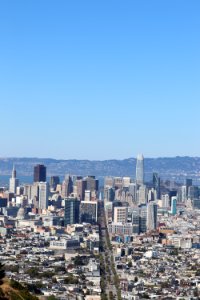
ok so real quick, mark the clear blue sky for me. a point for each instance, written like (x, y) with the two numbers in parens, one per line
(99, 79)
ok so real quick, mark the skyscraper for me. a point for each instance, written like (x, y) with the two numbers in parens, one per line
(39, 173)
(156, 184)
(72, 206)
(151, 216)
(173, 206)
(67, 186)
(14, 182)
(88, 212)
(43, 195)
(140, 170)
(54, 181)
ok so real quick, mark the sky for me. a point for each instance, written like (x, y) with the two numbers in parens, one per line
(99, 79)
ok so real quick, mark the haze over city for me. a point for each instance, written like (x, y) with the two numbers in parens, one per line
(99, 80)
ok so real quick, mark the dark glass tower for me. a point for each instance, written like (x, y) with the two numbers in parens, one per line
(39, 173)
(156, 184)
(71, 211)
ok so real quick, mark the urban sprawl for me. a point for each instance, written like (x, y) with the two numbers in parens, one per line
(129, 239)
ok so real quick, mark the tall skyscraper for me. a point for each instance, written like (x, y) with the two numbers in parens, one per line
(67, 186)
(140, 169)
(72, 206)
(39, 173)
(14, 182)
(43, 195)
(151, 216)
(156, 184)
(54, 181)
(81, 186)
(173, 206)
(142, 194)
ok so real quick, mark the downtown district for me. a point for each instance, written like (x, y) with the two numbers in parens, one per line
(130, 239)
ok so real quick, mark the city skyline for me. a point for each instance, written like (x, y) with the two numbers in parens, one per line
(99, 80)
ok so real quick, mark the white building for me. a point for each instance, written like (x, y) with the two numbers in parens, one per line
(43, 195)
(14, 182)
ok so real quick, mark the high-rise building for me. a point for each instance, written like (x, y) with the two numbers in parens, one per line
(54, 181)
(188, 183)
(14, 182)
(126, 182)
(183, 193)
(173, 205)
(136, 221)
(81, 186)
(193, 192)
(165, 201)
(156, 184)
(43, 195)
(109, 193)
(88, 195)
(88, 212)
(142, 194)
(143, 218)
(108, 182)
(67, 186)
(92, 184)
(118, 182)
(151, 216)
(140, 169)
(72, 209)
(120, 214)
(39, 173)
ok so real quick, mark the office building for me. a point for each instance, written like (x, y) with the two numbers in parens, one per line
(126, 182)
(88, 212)
(67, 186)
(39, 173)
(136, 221)
(54, 181)
(142, 194)
(87, 195)
(140, 170)
(14, 182)
(118, 182)
(165, 201)
(81, 186)
(188, 183)
(156, 184)
(143, 218)
(173, 206)
(43, 195)
(109, 193)
(120, 214)
(108, 182)
(92, 184)
(151, 216)
(72, 211)
(193, 192)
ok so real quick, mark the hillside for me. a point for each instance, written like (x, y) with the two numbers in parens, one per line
(12, 290)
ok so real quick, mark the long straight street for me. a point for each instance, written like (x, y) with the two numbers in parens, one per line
(109, 278)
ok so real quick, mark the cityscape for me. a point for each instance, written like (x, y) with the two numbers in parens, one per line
(128, 239)
(99, 155)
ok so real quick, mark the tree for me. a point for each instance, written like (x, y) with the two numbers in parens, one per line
(2, 273)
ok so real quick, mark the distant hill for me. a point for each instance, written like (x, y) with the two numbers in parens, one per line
(167, 167)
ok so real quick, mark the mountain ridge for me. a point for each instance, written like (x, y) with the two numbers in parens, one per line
(165, 166)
